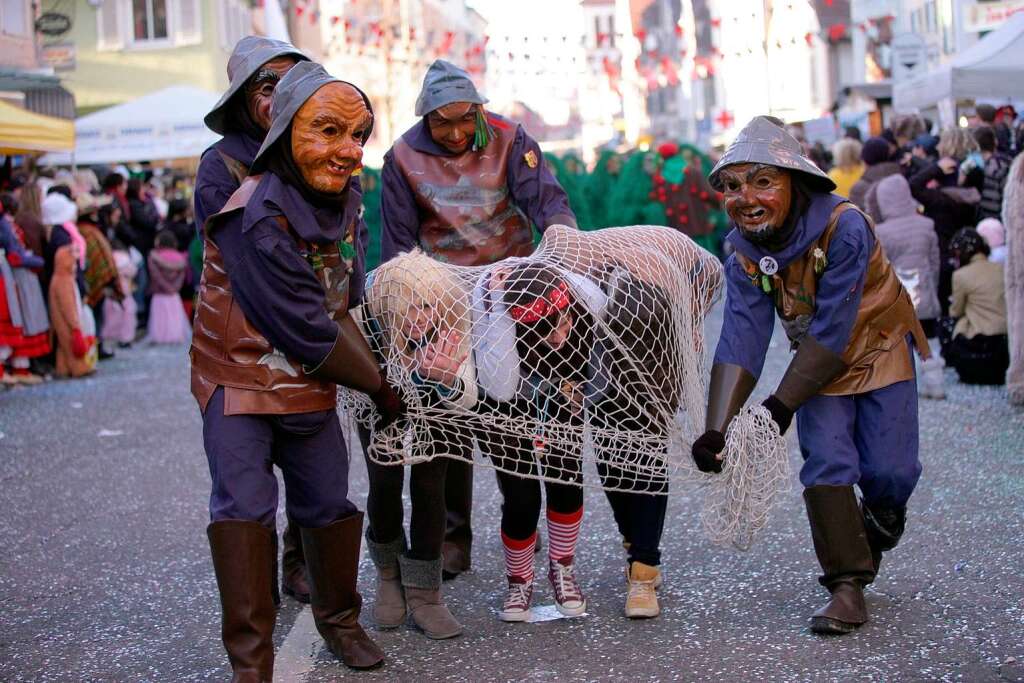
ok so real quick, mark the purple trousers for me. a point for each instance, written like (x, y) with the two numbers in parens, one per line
(309, 449)
(867, 439)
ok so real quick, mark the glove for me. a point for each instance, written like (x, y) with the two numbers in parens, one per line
(705, 449)
(781, 415)
(79, 346)
(390, 404)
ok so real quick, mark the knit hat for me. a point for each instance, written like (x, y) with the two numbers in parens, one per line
(298, 85)
(929, 143)
(443, 84)
(763, 141)
(249, 55)
(875, 151)
(58, 209)
(993, 232)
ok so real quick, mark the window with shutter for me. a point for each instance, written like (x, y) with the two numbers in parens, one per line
(108, 26)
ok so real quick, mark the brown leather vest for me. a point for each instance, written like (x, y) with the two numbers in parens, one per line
(227, 351)
(875, 355)
(466, 212)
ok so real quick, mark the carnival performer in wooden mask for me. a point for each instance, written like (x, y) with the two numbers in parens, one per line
(272, 340)
(813, 258)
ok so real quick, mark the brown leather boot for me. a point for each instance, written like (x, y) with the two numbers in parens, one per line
(293, 565)
(837, 528)
(243, 560)
(332, 560)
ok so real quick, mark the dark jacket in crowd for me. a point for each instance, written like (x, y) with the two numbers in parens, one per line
(996, 169)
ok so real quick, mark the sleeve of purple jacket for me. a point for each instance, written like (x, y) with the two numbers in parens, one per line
(214, 185)
(533, 186)
(399, 217)
(747, 324)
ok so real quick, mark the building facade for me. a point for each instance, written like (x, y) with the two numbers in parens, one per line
(116, 50)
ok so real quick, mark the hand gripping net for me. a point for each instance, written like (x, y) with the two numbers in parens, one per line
(591, 349)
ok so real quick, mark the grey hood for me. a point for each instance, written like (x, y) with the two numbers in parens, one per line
(443, 84)
(297, 86)
(249, 55)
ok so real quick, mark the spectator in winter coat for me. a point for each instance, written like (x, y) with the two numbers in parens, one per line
(142, 216)
(996, 167)
(876, 157)
(848, 166)
(912, 247)
(979, 348)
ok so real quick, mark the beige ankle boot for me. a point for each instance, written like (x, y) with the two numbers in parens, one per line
(421, 581)
(642, 600)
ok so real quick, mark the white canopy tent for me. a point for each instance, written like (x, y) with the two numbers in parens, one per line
(167, 124)
(991, 69)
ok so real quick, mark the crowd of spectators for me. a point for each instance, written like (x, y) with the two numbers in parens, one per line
(949, 215)
(89, 267)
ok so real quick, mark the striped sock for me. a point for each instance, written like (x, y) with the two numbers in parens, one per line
(519, 556)
(563, 531)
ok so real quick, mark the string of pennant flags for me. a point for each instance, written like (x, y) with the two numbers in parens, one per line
(366, 37)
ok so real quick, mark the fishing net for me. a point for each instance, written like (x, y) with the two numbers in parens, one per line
(591, 350)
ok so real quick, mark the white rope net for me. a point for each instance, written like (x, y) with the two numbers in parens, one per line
(591, 349)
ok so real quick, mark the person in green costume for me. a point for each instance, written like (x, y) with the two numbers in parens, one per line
(567, 174)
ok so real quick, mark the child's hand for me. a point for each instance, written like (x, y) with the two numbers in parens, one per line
(440, 360)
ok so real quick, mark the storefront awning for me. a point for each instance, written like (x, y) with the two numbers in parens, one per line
(23, 131)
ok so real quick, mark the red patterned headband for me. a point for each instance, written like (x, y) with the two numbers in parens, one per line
(541, 307)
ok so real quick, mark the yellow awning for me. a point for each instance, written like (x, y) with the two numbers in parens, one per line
(24, 131)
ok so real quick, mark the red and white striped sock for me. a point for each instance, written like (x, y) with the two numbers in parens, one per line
(519, 556)
(563, 532)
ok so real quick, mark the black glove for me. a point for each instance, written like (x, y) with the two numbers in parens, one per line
(781, 415)
(390, 404)
(705, 449)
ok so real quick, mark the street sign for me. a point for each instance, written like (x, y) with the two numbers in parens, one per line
(909, 56)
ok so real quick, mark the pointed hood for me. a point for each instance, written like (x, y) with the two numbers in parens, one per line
(763, 141)
(249, 55)
(443, 84)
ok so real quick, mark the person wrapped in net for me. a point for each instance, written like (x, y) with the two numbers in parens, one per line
(416, 317)
(570, 339)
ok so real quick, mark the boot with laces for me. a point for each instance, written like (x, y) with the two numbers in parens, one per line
(569, 598)
(641, 599)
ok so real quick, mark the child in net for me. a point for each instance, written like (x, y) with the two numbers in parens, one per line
(416, 319)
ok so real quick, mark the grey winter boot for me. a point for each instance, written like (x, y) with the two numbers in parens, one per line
(932, 378)
(389, 608)
(421, 580)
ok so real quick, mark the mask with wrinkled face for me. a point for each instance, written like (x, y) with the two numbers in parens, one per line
(259, 89)
(328, 134)
(757, 198)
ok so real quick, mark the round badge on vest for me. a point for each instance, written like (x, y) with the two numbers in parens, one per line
(768, 265)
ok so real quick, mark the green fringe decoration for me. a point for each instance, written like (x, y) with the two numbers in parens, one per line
(483, 133)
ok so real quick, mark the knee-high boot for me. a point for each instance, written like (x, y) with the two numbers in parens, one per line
(332, 560)
(243, 560)
(293, 564)
(837, 528)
